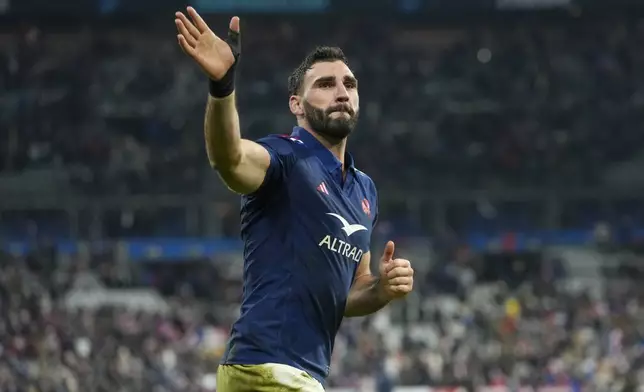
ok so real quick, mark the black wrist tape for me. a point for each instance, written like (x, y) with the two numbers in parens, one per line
(226, 85)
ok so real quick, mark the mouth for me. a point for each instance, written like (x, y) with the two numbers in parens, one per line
(341, 110)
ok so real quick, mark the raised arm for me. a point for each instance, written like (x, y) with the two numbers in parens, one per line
(242, 164)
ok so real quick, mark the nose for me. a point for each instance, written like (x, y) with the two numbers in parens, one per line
(342, 94)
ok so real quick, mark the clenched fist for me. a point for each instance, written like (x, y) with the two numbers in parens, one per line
(396, 275)
(214, 55)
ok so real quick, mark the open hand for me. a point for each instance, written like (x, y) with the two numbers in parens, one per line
(214, 55)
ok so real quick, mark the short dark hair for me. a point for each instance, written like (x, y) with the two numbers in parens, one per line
(321, 54)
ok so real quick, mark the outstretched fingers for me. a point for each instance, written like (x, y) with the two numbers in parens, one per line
(201, 25)
(185, 46)
(186, 29)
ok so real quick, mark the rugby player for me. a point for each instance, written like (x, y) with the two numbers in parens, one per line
(307, 216)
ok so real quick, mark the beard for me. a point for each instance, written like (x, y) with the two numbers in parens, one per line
(321, 122)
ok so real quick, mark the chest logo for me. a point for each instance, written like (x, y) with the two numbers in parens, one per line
(322, 188)
(348, 228)
(366, 207)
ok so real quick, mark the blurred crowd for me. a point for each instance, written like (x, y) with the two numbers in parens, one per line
(519, 104)
(534, 328)
(108, 111)
(50, 343)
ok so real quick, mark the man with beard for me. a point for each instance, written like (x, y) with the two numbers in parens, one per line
(307, 216)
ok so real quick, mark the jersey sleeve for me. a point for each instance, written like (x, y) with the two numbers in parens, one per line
(373, 200)
(282, 154)
(375, 206)
(375, 213)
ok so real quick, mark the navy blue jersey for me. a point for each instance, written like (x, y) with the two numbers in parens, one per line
(304, 231)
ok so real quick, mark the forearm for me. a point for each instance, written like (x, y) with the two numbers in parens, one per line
(221, 131)
(365, 297)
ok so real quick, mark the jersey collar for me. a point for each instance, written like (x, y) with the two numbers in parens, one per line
(327, 158)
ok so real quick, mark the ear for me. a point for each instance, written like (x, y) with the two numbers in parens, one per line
(295, 104)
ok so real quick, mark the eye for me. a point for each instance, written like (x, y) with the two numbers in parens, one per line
(326, 84)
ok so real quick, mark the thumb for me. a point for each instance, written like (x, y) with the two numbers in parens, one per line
(234, 24)
(388, 253)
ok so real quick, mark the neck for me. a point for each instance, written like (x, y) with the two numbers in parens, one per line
(337, 146)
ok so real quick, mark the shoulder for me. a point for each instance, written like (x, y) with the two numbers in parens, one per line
(281, 144)
(367, 182)
(370, 204)
(282, 150)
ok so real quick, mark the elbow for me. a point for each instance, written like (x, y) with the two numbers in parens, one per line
(230, 180)
(224, 162)
(232, 175)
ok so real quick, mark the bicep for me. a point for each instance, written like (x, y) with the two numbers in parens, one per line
(249, 174)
